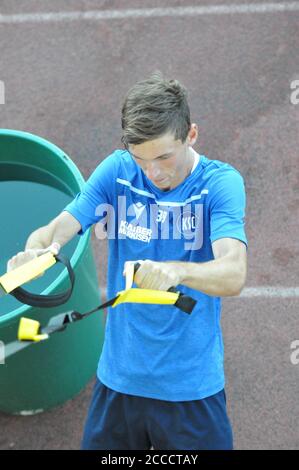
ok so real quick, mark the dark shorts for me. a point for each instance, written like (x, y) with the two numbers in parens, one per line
(117, 421)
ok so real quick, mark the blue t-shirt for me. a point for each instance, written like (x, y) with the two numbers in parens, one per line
(158, 351)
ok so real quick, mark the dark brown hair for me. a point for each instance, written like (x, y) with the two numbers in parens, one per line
(154, 107)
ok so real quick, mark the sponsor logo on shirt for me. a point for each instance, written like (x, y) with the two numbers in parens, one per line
(135, 232)
(144, 223)
(138, 208)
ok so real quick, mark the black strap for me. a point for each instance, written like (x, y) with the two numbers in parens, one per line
(46, 301)
(184, 302)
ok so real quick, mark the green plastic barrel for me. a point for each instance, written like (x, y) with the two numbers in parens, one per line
(37, 180)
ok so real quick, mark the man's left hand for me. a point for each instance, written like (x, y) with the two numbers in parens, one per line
(156, 275)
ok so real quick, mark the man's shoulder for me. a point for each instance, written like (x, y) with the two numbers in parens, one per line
(118, 159)
(217, 170)
(115, 165)
(114, 158)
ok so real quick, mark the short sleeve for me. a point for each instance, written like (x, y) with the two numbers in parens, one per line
(227, 206)
(89, 204)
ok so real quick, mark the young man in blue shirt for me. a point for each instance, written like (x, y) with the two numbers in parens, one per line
(160, 379)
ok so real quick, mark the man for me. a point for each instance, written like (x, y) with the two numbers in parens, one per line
(160, 380)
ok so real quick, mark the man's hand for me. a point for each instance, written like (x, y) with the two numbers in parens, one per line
(156, 275)
(24, 256)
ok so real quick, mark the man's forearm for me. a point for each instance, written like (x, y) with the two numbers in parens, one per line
(220, 277)
(61, 230)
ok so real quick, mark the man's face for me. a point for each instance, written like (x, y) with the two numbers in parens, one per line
(165, 161)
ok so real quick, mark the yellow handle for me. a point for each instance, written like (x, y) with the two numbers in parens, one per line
(26, 272)
(146, 296)
(28, 330)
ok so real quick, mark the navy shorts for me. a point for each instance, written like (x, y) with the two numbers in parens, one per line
(117, 421)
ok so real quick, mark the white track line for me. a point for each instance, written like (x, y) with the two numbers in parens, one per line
(96, 15)
(270, 291)
(249, 292)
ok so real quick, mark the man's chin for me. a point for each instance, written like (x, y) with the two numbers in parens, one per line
(164, 185)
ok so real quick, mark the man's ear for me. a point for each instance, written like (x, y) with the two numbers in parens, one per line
(192, 134)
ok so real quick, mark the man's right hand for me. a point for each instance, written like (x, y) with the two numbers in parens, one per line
(24, 256)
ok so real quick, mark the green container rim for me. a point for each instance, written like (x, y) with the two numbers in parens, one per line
(84, 239)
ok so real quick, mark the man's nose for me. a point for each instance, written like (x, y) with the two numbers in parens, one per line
(152, 170)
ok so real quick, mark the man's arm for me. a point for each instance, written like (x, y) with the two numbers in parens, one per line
(221, 277)
(60, 230)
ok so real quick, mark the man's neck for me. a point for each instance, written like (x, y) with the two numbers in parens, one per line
(191, 158)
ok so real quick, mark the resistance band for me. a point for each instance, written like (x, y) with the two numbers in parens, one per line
(30, 331)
